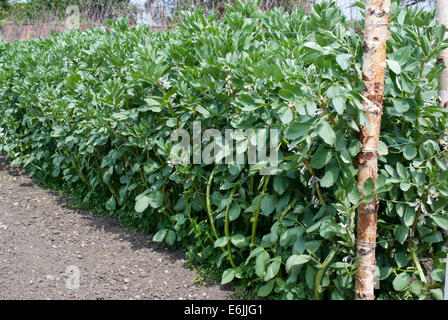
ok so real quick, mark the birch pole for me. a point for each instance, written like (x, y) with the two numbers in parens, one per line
(442, 18)
(377, 15)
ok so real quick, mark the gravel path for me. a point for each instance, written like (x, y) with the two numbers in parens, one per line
(44, 245)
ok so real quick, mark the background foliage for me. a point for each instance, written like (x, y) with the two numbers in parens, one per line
(93, 112)
(98, 11)
(37, 11)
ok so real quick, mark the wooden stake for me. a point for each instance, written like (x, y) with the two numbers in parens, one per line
(442, 17)
(374, 67)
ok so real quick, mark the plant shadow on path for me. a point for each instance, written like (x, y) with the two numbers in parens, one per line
(118, 237)
(137, 239)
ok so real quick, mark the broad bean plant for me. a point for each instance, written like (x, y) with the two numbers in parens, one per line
(94, 111)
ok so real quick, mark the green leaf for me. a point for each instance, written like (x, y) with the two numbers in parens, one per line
(437, 293)
(405, 186)
(331, 175)
(142, 203)
(385, 272)
(368, 198)
(155, 199)
(221, 242)
(295, 260)
(273, 269)
(382, 148)
(297, 130)
(239, 240)
(108, 174)
(266, 289)
(401, 106)
(267, 204)
(254, 252)
(340, 143)
(170, 237)
(286, 115)
(288, 237)
(260, 264)
(401, 281)
(402, 55)
(111, 204)
(401, 233)
(299, 246)
(394, 66)
(409, 152)
(401, 259)
(433, 237)
(441, 221)
(438, 275)
(320, 158)
(310, 275)
(354, 147)
(160, 235)
(369, 186)
(343, 60)
(401, 170)
(354, 196)
(416, 287)
(401, 17)
(339, 104)
(248, 102)
(228, 275)
(281, 183)
(313, 45)
(234, 212)
(152, 105)
(439, 204)
(409, 216)
(327, 133)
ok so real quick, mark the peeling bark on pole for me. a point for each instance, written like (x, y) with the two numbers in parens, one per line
(442, 17)
(374, 67)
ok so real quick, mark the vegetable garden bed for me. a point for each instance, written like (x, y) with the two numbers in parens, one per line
(94, 112)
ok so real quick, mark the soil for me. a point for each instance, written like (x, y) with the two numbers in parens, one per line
(44, 242)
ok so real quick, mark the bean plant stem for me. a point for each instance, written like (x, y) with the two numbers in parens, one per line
(257, 214)
(412, 248)
(209, 208)
(320, 274)
(226, 227)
